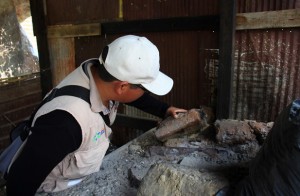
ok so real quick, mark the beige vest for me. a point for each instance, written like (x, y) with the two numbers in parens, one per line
(88, 158)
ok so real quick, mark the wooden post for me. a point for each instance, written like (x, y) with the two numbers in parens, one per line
(40, 31)
(226, 56)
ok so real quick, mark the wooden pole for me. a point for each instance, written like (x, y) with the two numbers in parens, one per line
(226, 56)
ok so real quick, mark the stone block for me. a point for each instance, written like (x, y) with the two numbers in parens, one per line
(186, 123)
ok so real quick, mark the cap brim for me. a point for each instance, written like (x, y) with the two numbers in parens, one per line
(161, 85)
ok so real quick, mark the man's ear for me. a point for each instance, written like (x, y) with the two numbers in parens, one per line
(121, 87)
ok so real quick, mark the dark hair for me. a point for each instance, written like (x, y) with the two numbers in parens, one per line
(102, 72)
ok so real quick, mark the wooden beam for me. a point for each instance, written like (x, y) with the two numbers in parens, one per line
(136, 26)
(210, 22)
(269, 19)
(60, 31)
(225, 69)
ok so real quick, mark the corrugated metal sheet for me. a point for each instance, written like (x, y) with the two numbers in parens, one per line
(266, 72)
(244, 6)
(149, 9)
(267, 65)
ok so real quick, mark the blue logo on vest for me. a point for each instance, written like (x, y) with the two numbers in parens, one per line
(98, 135)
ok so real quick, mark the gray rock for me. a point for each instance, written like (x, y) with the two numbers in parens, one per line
(170, 179)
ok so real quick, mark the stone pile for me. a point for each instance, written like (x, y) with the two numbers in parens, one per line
(206, 156)
(191, 155)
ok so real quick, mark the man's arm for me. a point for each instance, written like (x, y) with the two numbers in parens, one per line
(151, 105)
(55, 135)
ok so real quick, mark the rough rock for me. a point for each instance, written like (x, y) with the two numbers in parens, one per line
(189, 122)
(207, 113)
(215, 159)
(171, 179)
(186, 142)
(137, 171)
(260, 129)
(234, 132)
(136, 174)
(22, 8)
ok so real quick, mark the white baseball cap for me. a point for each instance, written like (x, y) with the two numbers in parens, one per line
(136, 60)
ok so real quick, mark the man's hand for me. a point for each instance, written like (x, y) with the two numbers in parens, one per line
(173, 111)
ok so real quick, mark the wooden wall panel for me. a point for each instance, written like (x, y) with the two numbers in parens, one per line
(79, 12)
(90, 47)
(17, 101)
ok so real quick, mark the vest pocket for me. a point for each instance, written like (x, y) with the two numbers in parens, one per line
(86, 161)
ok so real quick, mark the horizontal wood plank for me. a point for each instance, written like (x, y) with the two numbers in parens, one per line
(74, 30)
(269, 19)
(210, 22)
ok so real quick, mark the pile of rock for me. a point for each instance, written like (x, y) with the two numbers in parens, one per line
(191, 155)
(206, 155)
